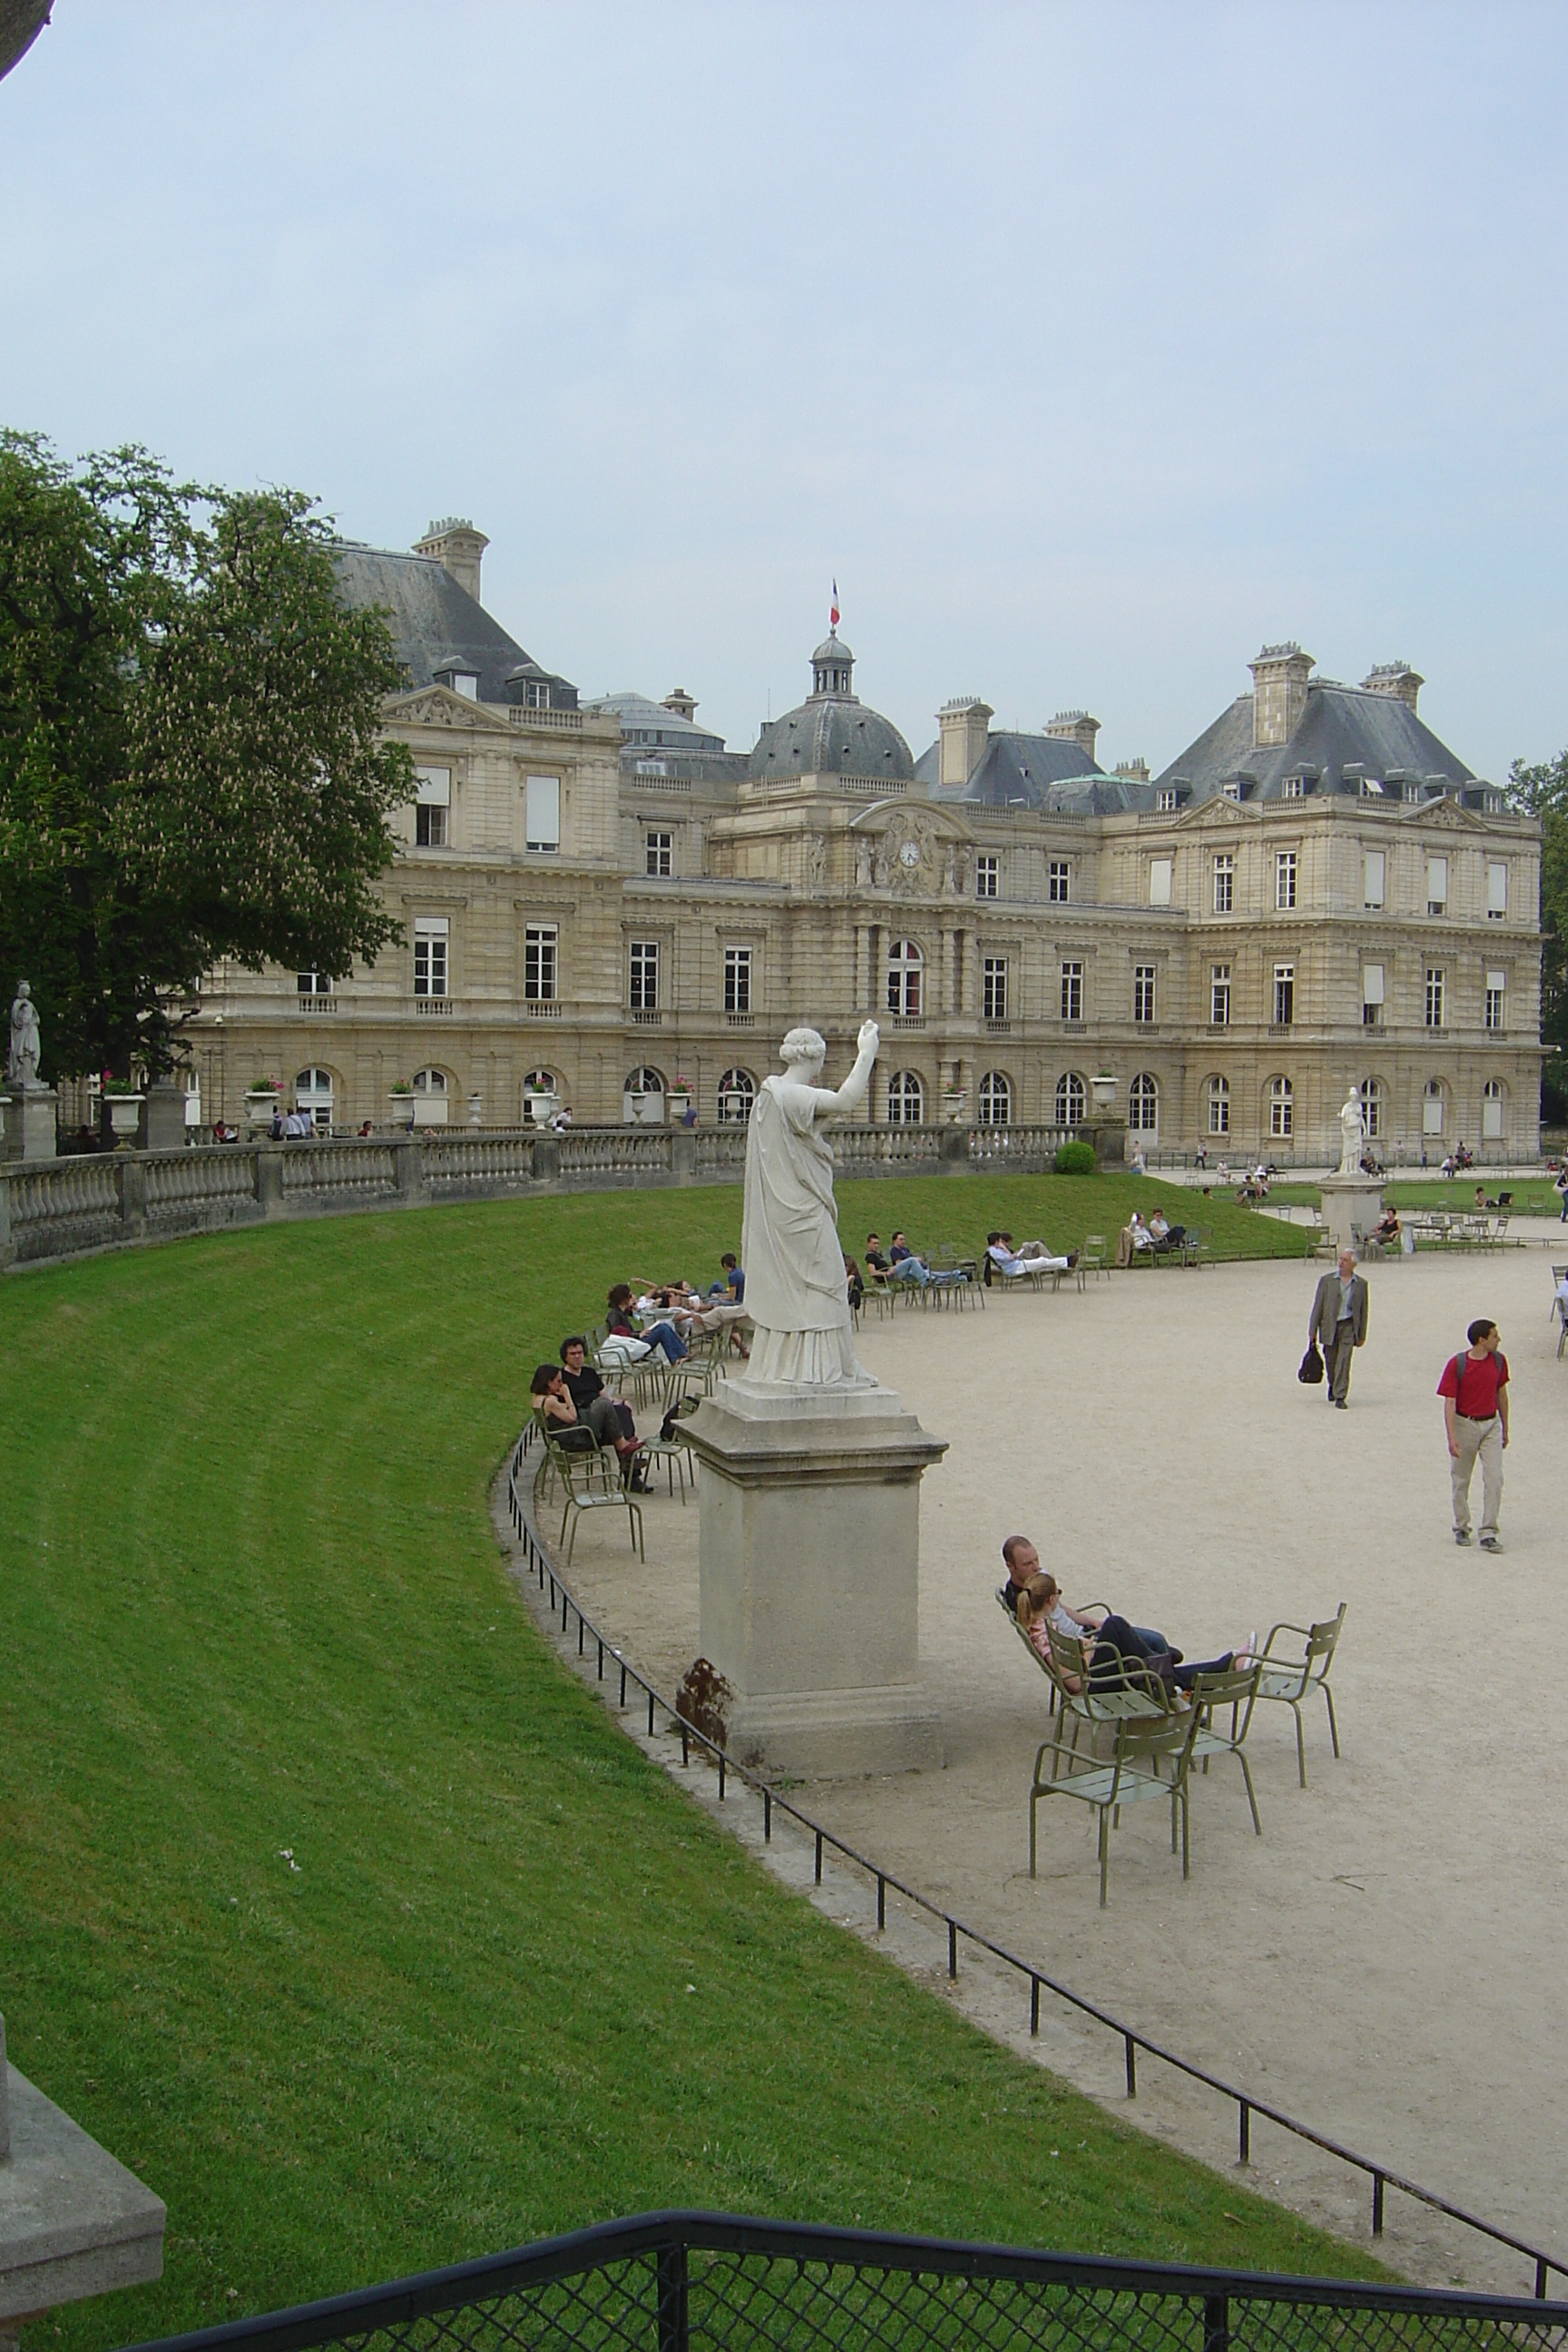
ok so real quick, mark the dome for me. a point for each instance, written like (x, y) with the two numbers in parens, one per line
(833, 733)
(832, 649)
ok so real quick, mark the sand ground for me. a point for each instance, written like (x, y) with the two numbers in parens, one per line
(1385, 1962)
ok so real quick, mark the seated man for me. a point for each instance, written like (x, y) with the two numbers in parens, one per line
(1164, 1233)
(597, 1423)
(1116, 1653)
(876, 1259)
(627, 1342)
(1133, 1238)
(906, 1265)
(1032, 1257)
(732, 1282)
(583, 1385)
(1021, 1561)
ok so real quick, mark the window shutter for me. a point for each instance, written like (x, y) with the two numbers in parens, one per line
(1436, 881)
(1372, 984)
(1496, 889)
(544, 827)
(435, 787)
(1372, 893)
(1159, 882)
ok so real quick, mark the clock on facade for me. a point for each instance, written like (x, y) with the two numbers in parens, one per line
(911, 853)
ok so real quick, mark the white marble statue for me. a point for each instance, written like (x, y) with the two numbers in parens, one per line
(22, 1063)
(796, 1290)
(1351, 1129)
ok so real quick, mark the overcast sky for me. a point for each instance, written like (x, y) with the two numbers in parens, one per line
(1088, 346)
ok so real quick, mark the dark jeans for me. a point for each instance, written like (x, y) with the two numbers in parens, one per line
(666, 1336)
(1119, 1649)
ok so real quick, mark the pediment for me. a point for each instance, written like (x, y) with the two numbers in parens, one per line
(1447, 815)
(1217, 811)
(438, 706)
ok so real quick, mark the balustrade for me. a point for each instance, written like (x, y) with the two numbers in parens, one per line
(357, 1167)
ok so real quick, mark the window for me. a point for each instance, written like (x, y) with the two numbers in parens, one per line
(1437, 886)
(1295, 786)
(1160, 871)
(430, 934)
(1284, 995)
(1072, 992)
(1431, 1107)
(313, 1093)
(542, 829)
(904, 976)
(1282, 1108)
(988, 876)
(1144, 991)
(430, 1082)
(540, 1082)
(1165, 799)
(658, 848)
(645, 976)
(1497, 982)
(1284, 881)
(1058, 881)
(642, 1098)
(1497, 891)
(995, 1099)
(1219, 996)
(736, 1098)
(1218, 1093)
(1374, 868)
(1492, 1111)
(738, 981)
(1372, 994)
(433, 799)
(313, 983)
(1433, 999)
(539, 945)
(993, 987)
(538, 695)
(1371, 1093)
(1232, 789)
(1072, 1096)
(1143, 1105)
(906, 1100)
(1223, 883)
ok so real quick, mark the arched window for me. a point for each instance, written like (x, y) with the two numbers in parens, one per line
(541, 1082)
(737, 1094)
(905, 963)
(1431, 1108)
(1143, 1105)
(995, 1098)
(313, 1092)
(1282, 1108)
(1492, 1111)
(1072, 1096)
(906, 1100)
(1219, 1095)
(430, 1082)
(1371, 1093)
(645, 1082)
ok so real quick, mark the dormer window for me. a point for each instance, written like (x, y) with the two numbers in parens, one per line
(1166, 800)
(1231, 789)
(1371, 788)
(1295, 786)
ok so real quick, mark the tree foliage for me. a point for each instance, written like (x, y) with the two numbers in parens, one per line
(191, 758)
(1542, 792)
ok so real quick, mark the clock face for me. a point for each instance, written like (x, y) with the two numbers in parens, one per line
(911, 853)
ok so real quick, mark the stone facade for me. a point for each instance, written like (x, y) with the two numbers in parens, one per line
(621, 925)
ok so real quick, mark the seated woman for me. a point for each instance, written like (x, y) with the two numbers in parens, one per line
(1387, 1229)
(1116, 1653)
(853, 1284)
(628, 1342)
(581, 1428)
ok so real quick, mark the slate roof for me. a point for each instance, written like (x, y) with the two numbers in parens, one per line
(1340, 726)
(1039, 771)
(832, 735)
(433, 621)
(649, 727)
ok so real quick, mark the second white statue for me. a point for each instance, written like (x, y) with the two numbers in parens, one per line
(796, 1292)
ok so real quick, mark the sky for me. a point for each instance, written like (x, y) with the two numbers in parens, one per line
(1089, 347)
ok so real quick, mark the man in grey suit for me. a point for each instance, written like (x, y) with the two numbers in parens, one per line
(1339, 1323)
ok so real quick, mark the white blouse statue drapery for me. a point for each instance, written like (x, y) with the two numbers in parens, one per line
(796, 1294)
(1350, 1133)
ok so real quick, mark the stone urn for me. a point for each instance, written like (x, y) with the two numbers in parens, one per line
(401, 1112)
(261, 1102)
(124, 1116)
(1104, 1085)
(954, 1102)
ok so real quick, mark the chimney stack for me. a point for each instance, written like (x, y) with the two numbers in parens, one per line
(965, 724)
(1279, 678)
(1395, 677)
(680, 702)
(1075, 727)
(459, 549)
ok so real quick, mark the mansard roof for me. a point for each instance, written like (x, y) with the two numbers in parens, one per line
(1340, 726)
(434, 622)
(1036, 771)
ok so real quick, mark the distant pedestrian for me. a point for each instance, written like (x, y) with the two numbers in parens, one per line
(1563, 1191)
(1474, 1389)
(1339, 1325)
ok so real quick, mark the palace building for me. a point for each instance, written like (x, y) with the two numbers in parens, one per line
(605, 904)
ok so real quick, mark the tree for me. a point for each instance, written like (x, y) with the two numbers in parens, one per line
(1542, 792)
(191, 758)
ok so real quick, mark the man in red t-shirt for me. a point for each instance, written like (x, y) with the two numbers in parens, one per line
(1474, 1389)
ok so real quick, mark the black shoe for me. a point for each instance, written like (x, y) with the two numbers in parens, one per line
(1462, 1536)
(1343, 1403)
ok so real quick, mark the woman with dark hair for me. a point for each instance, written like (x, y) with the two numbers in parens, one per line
(581, 1428)
(627, 1342)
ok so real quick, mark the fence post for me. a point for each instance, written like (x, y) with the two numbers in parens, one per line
(1216, 2322)
(408, 1171)
(269, 1179)
(674, 2335)
(683, 1155)
(132, 1174)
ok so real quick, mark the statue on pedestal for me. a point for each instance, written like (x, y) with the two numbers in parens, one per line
(1352, 1130)
(22, 1062)
(796, 1294)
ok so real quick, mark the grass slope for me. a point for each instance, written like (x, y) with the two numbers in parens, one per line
(333, 1905)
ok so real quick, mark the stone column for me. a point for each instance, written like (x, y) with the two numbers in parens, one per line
(30, 1117)
(408, 1172)
(810, 1576)
(163, 1118)
(131, 1175)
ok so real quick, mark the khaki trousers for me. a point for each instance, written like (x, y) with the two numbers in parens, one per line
(1485, 1438)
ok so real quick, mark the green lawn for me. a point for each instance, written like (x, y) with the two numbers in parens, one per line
(333, 1905)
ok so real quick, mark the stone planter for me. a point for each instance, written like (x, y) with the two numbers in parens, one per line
(1104, 1087)
(954, 1105)
(124, 1116)
(402, 1111)
(261, 1102)
(539, 1109)
(679, 1100)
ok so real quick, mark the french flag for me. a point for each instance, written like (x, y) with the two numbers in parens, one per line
(833, 609)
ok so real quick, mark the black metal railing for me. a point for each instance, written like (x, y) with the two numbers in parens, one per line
(1381, 2177)
(710, 2282)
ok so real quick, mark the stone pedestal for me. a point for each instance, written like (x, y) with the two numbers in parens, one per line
(1110, 1139)
(30, 1123)
(163, 1118)
(1351, 1201)
(810, 1577)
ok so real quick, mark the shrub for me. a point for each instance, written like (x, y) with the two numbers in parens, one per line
(1074, 1160)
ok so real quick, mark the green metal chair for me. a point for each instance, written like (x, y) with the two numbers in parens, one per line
(587, 1481)
(1237, 1689)
(1133, 1776)
(1094, 1257)
(1291, 1683)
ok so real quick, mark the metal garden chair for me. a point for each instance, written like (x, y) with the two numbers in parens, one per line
(1132, 1776)
(1291, 1683)
(587, 1480)
(1237, 1689)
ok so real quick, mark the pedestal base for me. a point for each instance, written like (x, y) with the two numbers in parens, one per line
(810, 1577)
(1351, 1201)
(30, 1124)
(73, 2222)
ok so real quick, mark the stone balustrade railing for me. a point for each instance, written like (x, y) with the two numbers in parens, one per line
(59, 1208)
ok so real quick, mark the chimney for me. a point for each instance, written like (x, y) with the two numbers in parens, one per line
(1279, 678)
(965, 724)
(1395, 677)
(1075, 727)
(1133, 771)
(680, 702)
(458, 548)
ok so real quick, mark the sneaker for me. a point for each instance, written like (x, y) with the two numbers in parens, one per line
(1490, 1543)
(1462, 1536)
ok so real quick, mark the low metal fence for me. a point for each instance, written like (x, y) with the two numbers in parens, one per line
(1379, 2177)
(710, 2282)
